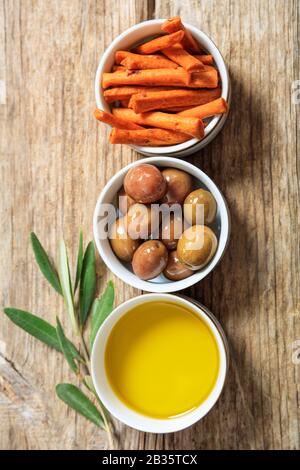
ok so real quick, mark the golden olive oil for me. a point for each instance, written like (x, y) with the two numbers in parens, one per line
(162, 359)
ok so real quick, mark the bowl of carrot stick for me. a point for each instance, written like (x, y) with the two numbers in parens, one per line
(163, 88)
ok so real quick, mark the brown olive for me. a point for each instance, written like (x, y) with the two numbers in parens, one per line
(175, 270)
(196, 246)
(200, 204)
(179, 185)
(145, 183)
(123, 246)
(150, 259)
(124, 201)
(171, 230)
(140, 223)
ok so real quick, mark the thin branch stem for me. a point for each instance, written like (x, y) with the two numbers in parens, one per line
(101, 410)
(107, 426)
(84, 349)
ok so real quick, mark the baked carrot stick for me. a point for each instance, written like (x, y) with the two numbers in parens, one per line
(147, 101)
(115, 121)
(174, 24)
(125, 92)
(189, 43)
(118, 68)
(206, 59)
(175, 109)
(207, 78)
(121, 55)
(160, 43)
(218, 106)
(147, 137)
(149, 59)
(173, 77)
(140, 61)
(179, 109)
(177, 54)
(191, 126)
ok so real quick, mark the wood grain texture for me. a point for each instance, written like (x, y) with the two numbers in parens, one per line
(54, 161)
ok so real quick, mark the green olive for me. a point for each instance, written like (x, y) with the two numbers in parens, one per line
(124, 201)
(196, 246)
(140, 223)
(123, 246)
(145, 183)
(179, 185)
(150, 259)
(175, 270)
(171, 230)
(196, 202)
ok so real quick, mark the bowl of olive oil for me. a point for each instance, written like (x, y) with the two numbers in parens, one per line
(159, 362)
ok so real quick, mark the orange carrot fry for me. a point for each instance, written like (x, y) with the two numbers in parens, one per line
(189, 43)
(177, 54)
(118, 68)
(162, 42)
(125, 92)
(176, 109)
(207, 78)
(115, 121)
(174, 24)
(148, 101)
(218, 106)
(147, 137)
(120, 93)
(206, 59)
(159, 77)
(151, 62)
(121, 55)
(191, 126)
(140, 61)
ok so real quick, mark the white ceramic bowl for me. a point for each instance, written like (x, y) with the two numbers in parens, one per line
(145, 30)
(221, 227)
(128, 416)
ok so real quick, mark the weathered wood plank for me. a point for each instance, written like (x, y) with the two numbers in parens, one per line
(54, 161)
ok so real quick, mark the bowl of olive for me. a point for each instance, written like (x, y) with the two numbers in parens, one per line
(161, 224)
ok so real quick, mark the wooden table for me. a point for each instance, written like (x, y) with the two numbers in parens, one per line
(56, 159)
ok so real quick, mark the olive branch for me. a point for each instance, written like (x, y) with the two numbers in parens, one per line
(80, 302)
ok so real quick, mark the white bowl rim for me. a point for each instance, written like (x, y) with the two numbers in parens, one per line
(163, 287)
(125, 414)
(222, 68)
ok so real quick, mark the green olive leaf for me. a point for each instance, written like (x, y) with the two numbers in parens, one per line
(65, 346)
(79, 261)
(101, 309)
(65, 281)
(45, 264)
(38, 328)
(76, 399)
(75, 353)
(87, 282)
